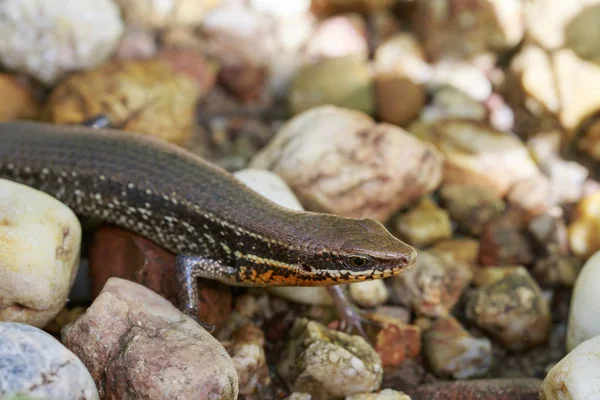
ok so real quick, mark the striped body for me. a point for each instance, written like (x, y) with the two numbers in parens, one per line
(187, 205)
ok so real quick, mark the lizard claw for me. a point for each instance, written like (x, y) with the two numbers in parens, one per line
(193, 314)
(352, 318)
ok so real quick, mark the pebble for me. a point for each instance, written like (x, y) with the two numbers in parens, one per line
(478, 389)
(136, 344)
(465, 29)
(327, 363)
(47, 39)
(424, 224)
(452, 352)
(464, 250)
(396, 340)
(369, 294)
(23, 104)
(576, 376)
(584, 239)
(338, 36)
(471, 206)
(477, 154)
(433, 286)
(512, 310)
(34, 365)
(385, 394)
(344, 82)
(247, 352)
(372, 170)
(179, 77)
(165, 14)
(583, 322)
(40, 241)
(451, 103)
(504, 241)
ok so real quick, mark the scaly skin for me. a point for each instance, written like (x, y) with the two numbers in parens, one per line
(193, 208)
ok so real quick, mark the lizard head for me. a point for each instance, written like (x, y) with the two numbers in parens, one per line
(358, 250)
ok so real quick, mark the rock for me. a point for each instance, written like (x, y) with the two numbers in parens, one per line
(36, 365)
(299, 396)
(65, 317)
(338, 36)
(369, 294)
(396, 341)
(566, 179)
(136, 44)
(385, 394)
(138, 345)
(576, 375)
(512, 310)
(584, 308)
(396, 313)
(271, 186)
(452, 352)
(372, 169)
(40, 241)
(462, 76)
(116, 252)
(531, 91)
(464, 250)
(465, 29)
(449, 102)
(582, 30)
(328, 7)
(548, 21)
(583, 231)
(555, 265)
(433, 286)
(588, 141)
(343, 82)
(479, 155)
(247, 83)
(425, 224)
(248, 355)
(328, 363)
(23, 103)
(400, 71)
(531, 195)
(490, 275)
(47, 39)
(471, 206)
(504, 241)
(578, 83)
(167, 14)
(479, 389)
(160, 93)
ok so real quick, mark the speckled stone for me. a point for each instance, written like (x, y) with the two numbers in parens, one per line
(34, 365)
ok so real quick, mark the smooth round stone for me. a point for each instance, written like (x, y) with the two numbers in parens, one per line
(34, 365)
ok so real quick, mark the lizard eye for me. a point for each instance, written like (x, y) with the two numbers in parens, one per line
(358, 262)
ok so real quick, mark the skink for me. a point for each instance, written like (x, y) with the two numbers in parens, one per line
(219, 228)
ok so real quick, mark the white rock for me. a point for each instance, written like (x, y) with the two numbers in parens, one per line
(34, 365)
(369, 294)
(47, 38)
(271, 186)
(584, 321)
(166, 13)
(576, 376)
(40, 242)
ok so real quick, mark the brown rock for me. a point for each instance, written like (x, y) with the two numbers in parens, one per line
(504, 242)
(479, 389)
(466, 28)
(22, 104)
(513, 310)
(120, 253)
(372, 170)
(425, 224)
(329, 7)
(395, 341)
(477, 154)
(433, 286)
(137, 345)
(489, 275)
(471, 206)
(155, 96)
(245, 82)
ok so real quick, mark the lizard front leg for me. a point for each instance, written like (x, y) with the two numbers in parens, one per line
(188, 268)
